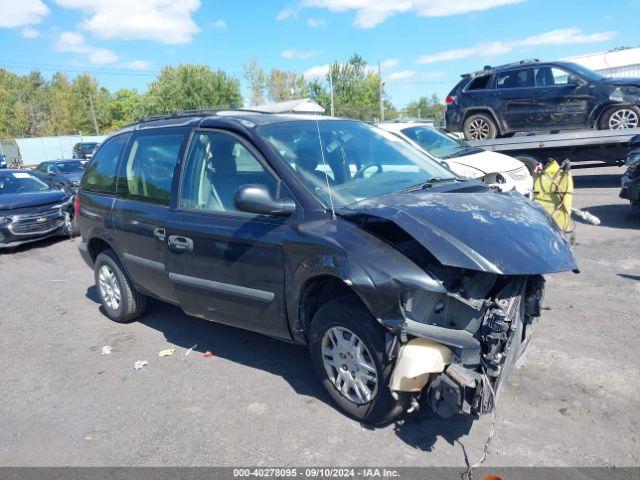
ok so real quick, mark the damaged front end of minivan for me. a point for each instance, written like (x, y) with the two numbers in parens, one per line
(457, 334)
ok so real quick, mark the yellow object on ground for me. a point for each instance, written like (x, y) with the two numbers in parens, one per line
(553, 187)
(167, 352)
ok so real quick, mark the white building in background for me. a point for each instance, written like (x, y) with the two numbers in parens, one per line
(615, 63)
(41, 149)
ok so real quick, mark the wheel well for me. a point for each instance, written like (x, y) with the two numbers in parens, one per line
(486, 111)
(96, 246)
(319, 291)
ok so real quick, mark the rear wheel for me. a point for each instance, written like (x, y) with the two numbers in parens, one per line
(348, 353)
(479, 126)
(619, 118)
(120, 300)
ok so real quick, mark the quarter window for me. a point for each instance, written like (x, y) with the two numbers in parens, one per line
(217, 165)
(549, 76)
(100, 175)
(479, 83)
(147, 172)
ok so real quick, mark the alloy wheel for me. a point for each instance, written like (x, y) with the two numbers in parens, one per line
(109, 288)
(349, 365)
(623, 118)
(479, 129)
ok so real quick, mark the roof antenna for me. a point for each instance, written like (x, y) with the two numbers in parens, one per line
(326, 166)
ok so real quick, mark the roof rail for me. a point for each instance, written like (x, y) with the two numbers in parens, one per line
(198, 113)
(488, 69)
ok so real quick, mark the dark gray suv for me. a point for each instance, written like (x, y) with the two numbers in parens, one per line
(533, 95)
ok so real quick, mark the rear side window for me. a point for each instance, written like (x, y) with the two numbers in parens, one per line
(147, 170)
(479, 83)
(100, 175)
(516, 78)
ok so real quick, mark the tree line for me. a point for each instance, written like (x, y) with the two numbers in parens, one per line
(31, 105)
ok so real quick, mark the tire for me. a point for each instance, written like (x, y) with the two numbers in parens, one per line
(531, 162)
(627, 116)
(479, 126)
(131, 304)
(345, 313)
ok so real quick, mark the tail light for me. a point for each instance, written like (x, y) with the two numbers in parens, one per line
(450, 99)
(76, 206)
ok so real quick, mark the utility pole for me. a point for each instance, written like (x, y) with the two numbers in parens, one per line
(381, 84)
(93, 114)
(331, 90)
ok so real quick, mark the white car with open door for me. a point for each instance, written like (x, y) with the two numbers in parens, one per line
(495, 169)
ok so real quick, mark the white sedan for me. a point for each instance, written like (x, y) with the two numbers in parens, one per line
(494, 169)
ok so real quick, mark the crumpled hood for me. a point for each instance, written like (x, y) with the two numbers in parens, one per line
(487, 162)
(502, 233)
(10, 201)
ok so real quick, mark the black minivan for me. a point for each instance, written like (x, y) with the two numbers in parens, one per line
(406, 282)
(533, 95)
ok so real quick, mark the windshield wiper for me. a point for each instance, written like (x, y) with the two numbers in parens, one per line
(431, 182)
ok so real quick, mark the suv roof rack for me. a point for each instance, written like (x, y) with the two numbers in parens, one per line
(488, 69)
(198, 113)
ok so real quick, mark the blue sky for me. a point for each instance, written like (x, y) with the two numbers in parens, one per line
(424, 45)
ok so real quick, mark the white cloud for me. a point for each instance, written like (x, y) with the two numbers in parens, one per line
(489, 49)
(29, 32)
(316, 22)
(389, 63)
(221, 24)
(317, 72)
(371, 13)
(137, 65)
(75, 43)
(164, 21)
(401, 75)
(18, 13)
(292, 53)
(287, 12)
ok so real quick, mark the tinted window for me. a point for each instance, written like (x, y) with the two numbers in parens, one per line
(147, 171)
(100, 175)
(69, 167)
(516, 78)
(549, 76)
(479, 83)
(217, 165)
(434, 142)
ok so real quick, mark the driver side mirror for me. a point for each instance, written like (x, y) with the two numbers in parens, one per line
(575, 80)
(256, 198)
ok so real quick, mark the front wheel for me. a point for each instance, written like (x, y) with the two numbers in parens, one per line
(347, 349)
(479, 126)
(619, 118)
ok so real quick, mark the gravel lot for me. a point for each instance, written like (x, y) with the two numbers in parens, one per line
(256, 402)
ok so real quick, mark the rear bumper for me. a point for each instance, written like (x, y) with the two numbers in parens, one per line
(83, 248)
(452, 120)
(630, 188)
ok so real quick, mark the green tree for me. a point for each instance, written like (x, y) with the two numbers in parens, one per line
(88, 100)
(283, 85)
(60, 120)
(426, 107)
(125, 107)
(254, 74)
(191, 87)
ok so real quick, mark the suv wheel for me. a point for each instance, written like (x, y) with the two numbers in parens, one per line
(121, 302)
(621, 117)
(348, 353)
(479, 126)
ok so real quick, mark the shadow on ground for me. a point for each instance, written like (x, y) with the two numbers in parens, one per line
(615, 216)
(420, 430)
(609, 180)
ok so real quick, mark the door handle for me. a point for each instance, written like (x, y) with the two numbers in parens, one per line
(160, 234)
(180, 244)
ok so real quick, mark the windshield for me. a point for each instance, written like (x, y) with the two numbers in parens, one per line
(356, 160)
(584, 71)
(437, 144)
(21, 182)
(70, 167)
(87, 147)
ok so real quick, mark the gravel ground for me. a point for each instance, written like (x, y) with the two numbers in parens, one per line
(256, 402)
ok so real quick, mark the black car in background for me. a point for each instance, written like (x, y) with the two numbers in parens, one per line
(404, 280)
(31, 209)
(85, 150)
(631, 180)
(63, 174)
(533, 95)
